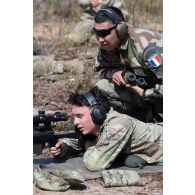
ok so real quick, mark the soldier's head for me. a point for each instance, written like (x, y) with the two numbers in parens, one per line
(110, 28)
(89, 110)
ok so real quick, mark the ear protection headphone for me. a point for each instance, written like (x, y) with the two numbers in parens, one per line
(121, 26)
(98, 113)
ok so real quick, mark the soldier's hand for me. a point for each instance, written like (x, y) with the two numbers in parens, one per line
(56, 150)
(118, 79)
(136, 88)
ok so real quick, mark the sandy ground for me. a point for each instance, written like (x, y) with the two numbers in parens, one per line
(153, 185)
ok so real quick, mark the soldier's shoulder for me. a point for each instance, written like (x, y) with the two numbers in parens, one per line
(143, 30)
(142, 37)
(139, 30)
(116, 118)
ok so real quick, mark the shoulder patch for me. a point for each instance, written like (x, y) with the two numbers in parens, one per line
(155, 60)
(153, 55)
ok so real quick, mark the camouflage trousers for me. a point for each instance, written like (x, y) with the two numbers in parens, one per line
(123, 100)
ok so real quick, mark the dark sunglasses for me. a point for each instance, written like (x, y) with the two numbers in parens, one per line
(103, 32)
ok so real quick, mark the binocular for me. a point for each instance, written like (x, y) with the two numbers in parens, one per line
(131, 79)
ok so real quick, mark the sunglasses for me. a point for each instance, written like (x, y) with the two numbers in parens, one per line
(103, 32)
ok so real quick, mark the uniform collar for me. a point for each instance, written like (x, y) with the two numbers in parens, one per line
(124, 45)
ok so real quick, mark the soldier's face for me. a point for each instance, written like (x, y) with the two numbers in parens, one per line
(83, 120)
(106, 35)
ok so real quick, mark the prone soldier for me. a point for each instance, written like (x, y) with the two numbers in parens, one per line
(106, 134)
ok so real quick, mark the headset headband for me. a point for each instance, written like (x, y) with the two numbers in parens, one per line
(90, 98)
(111, 14)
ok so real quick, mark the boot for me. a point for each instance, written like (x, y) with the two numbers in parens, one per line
(134, 161)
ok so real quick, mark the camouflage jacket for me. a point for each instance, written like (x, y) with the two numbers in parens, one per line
(132, 55)
(121, 133)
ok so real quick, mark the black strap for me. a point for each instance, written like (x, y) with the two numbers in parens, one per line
(90, 98)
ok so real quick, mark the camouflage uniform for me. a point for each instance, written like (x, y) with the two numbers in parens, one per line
(121, 134)
(114, 177)
(131, 56)
(83, 30)
(53, 179)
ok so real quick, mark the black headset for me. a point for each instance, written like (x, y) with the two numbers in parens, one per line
(98, 113)
(121, 26)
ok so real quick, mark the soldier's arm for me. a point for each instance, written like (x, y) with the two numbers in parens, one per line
(154, 49)
(113, 139)
(156, 92)
(149, 94)
(104, 70)
(71, 147)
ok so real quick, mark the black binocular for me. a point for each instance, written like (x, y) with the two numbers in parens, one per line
(131, 79)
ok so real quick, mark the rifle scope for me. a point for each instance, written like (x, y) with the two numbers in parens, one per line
(43, 121)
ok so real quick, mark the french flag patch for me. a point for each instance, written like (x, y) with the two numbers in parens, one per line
(155, 60)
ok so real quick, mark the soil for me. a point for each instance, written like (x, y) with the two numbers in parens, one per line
(153, 186)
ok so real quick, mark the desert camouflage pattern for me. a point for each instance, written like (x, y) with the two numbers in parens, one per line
(124, 134)
(115, 177)
(53, 179)
(121, 133)
(130, 56)
(83, 30)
